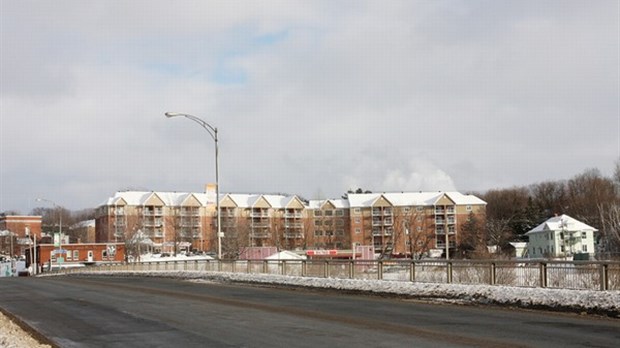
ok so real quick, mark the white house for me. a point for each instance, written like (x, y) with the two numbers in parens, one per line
(560, 236)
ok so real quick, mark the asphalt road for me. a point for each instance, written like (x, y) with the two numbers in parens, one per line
(154, 312)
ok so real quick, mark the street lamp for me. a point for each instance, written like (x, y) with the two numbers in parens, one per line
(59, 224)
(213, 133)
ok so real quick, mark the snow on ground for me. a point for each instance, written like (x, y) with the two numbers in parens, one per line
(13, 336)
(588, 301)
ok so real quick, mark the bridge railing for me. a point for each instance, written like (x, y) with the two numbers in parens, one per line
(590, 275)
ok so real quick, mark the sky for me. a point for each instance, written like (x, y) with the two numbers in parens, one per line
(309, 97)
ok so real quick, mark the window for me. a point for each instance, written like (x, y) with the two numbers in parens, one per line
(468, 208)
(340, 232)
(406, 210)
(339, 212)
(358, 230)
(317, 222)
(318, 233)
(584, 248)
(358, 220)
(76, 254)
(419, 228)
(329, 212)
(340, 222)
(69, 254)
(318, 213)
(584, 235)
(357, 210)
(419, 208)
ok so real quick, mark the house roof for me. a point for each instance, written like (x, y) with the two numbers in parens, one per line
(557, 223)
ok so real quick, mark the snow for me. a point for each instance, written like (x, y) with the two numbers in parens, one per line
(570, 300)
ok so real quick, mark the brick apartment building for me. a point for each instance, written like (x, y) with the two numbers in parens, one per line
(396, 224)
(22, 228)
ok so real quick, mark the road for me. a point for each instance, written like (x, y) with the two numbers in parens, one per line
(155, 312)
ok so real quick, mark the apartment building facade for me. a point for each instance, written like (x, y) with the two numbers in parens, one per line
(163, 221)
(402, 224)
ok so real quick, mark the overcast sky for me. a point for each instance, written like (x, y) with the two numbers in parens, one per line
(310, 97)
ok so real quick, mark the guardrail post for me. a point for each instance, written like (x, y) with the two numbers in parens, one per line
(265, 268)
(604, 275)
(492, 274)
(380, 270)
(449, 272)
(234, 266)
(248, 266)
(219, 265)
(412, 271)
(543, 275)
(283, 267)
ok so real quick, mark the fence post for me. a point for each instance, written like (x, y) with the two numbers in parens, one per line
(265, 268)
(351, 269)
(604, 274)
(283, 267)
(449, 272)
(380, 270)
(412, 271)
(304, 268)
(326, 269)
(492, 273)
(248, 266)
(543, 275)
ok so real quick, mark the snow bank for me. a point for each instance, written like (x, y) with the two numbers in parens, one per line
(588, 301)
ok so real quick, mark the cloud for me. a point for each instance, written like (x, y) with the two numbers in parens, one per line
(308, 96)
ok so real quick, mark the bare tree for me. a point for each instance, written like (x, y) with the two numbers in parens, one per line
(133, 236)
(412, 230)
(237, 239)
(610, 229)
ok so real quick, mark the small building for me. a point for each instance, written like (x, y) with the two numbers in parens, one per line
(561, 236)
(77, 254)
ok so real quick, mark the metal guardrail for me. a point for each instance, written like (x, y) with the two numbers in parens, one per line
(589, 275)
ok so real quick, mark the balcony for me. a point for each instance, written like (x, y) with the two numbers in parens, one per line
(293, 216)
(259, 235)
(260, 224)
(153, 212)
(190, 213)
(293, 225)
(293, 235)
(256, 214)
(440, 221)
(440, 211)
(119, 223)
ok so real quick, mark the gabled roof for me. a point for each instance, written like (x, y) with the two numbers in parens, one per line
(403, 199)
(558, 223)
(250, 200)
(319, 203)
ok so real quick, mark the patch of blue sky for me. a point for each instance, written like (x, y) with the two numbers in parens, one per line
(226, 72)
(165, 68)
(271, 38)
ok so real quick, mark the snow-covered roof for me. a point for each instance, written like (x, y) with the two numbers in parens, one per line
(403, 199)
(338, 203)
(285, 255)
(558, 223)
(141, 197)
(249, 200)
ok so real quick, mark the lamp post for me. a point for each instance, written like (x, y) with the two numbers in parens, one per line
(213, 133)
(59, 224)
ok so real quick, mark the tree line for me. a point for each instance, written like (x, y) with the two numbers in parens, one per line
(588, 197)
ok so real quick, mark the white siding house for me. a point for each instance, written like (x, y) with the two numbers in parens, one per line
(560, 236)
